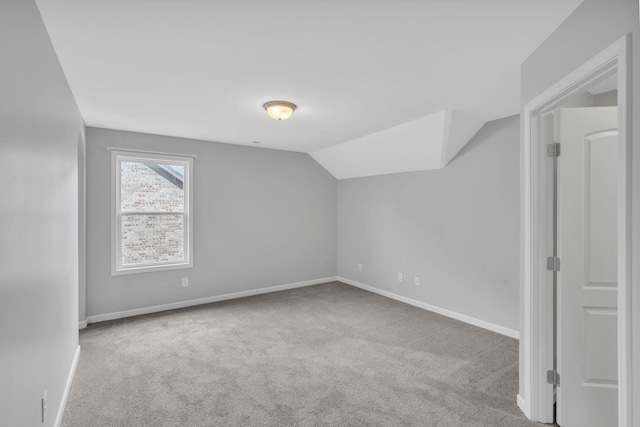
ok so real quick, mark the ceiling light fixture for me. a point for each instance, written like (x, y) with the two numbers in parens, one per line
(279, 110)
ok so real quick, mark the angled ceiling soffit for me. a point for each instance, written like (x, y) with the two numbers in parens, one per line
(427, 143)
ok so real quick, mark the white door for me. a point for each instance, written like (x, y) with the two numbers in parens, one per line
(587, 281)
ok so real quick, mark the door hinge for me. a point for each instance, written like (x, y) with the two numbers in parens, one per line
(553, 263)
(553, 150)
(553, 377)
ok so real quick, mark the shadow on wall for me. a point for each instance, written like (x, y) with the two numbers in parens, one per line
(480, 137)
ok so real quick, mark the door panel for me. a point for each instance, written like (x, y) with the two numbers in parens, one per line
(587, 281)
(598, 324)
(602, 200)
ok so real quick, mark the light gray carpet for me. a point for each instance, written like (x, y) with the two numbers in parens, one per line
(325, 355)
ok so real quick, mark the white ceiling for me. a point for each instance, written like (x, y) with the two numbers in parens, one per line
(203, 68)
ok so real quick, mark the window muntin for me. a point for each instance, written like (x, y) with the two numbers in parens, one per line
(151, 221)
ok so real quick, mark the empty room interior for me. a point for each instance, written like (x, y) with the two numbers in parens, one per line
(317, 213)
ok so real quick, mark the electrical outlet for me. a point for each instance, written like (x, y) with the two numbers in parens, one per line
(44, 406)
(416, 280)
(399, 277)
(359, 267)
(185, 282)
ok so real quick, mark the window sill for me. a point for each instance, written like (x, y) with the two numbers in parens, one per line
(149, 269)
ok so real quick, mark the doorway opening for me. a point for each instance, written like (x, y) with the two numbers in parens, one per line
(575, 256)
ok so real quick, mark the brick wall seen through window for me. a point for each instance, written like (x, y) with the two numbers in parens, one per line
(146, 237)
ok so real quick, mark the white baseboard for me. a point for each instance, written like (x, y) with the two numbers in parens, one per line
(443, 311)
(67, 388)
(522, 404)
(82, 324)
(207, 300)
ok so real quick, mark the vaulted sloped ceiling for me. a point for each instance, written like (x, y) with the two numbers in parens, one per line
(381, 87)
(429, 142)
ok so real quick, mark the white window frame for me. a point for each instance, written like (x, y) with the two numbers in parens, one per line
(117, 157)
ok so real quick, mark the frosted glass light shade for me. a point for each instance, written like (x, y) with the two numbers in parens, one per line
(279, 110)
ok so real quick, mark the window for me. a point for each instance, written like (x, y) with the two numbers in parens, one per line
(151, 212)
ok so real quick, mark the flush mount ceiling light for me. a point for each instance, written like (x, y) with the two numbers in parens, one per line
(279, 110)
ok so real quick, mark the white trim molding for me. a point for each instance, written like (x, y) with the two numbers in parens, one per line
(435, 309)
(536, 397)
(207, 300)
(82, 324)
(522, 404)
(67, 388)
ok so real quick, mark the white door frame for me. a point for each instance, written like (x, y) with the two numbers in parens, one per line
(536, 396)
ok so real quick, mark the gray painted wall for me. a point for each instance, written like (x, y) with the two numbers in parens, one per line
(39, 131)
(262, 218)
(606, 99)
(592, 27)
(456, 228)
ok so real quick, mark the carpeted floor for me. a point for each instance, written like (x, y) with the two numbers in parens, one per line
(324, 355)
